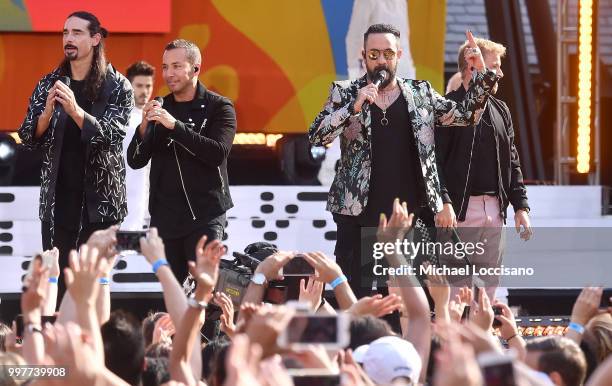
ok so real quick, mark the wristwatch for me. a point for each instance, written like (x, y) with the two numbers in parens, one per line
(191, 302)
(259, 279)
(526, 209)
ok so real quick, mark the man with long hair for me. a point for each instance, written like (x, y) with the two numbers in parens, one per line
(79, 128)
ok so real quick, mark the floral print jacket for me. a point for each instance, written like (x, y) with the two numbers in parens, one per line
(349, 191)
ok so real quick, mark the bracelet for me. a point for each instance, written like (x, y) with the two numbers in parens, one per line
(104, 281)
(337, 281)
(579, 328)
(158, 264)
(513, 336)
(53, 279)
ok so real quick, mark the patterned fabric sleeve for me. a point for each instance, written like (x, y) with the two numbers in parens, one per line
(108, 131)
(35, 107)
(469, 111)
(333, 119)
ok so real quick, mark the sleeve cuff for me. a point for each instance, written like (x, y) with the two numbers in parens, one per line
(446, 198)
(522, 204)
(90, 127)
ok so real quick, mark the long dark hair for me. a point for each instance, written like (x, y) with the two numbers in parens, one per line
(96, 75)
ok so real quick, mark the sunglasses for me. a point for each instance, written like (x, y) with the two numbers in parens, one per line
(373, 54)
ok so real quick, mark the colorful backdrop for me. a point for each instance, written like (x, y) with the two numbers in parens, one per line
(275, 59)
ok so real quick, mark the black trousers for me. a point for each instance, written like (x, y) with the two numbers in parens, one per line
(354, 245)
(67, 239)
(182, 249)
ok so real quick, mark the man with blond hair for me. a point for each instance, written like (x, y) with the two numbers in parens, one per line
(480, 169)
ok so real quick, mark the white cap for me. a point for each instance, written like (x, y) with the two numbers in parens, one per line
(359, 353)
(391, 357)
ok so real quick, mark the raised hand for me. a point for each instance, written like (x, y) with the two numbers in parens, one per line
(152, 247)
(227, 318)
(398, 225)
(327, 270)
(376, 305)
(86, 267)
(473, 55)
(205, 270)
(164, 330)
(272, 265)
(587, 305)
(35, 290)
(311, 292)
(481, 313)
(104, 241)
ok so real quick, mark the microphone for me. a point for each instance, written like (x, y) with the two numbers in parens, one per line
(57, 107)
(379, 78)
(152, 124)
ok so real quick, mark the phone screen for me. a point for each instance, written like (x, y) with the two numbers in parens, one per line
(500, 374)
(319, 380)
(313, 329)
(298, 266)
(129, 240)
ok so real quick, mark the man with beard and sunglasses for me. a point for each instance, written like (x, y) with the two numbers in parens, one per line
(387, 145)
(79, 128)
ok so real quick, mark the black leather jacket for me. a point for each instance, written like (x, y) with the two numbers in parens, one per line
(195, 155)
(455, 148)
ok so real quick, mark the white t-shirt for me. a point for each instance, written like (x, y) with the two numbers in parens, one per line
(136, 181)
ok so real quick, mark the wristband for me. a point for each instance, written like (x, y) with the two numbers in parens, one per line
(53, 279)
(158, 264)
(579, 328)
(337, 281)
(104, 281)
(513, 336)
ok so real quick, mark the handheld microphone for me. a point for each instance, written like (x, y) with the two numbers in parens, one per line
(57, 107)
(152, 124)
(379, 78)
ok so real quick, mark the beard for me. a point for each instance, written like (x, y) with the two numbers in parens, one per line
(71, 55)
(391, 70)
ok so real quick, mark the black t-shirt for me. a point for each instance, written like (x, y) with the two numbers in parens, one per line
(396, 169)
(485, 179)
(69, 191)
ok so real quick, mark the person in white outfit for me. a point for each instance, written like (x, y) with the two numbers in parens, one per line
(141, 75)
(369, 12)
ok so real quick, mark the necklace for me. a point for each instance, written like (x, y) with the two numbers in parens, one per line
(384, 100)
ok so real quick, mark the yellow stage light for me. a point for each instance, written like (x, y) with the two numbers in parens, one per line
(585, 58)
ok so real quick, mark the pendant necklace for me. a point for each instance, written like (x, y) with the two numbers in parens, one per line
(390, 97)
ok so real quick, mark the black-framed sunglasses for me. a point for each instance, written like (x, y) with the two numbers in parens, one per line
(373, 54)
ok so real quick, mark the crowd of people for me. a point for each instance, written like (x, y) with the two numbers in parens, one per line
(98, 347)
(394, 173)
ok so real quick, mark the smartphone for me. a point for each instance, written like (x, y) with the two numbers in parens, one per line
(47, 261)
(297, 266)
(44, 320)
(315, 379)
(497, 310)
(497, 369)
(129, 240)
(330, 331)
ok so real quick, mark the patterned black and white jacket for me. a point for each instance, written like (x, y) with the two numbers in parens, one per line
(102, 135)
(348, 194)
